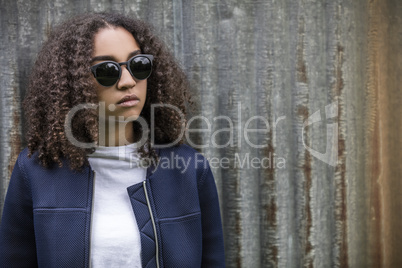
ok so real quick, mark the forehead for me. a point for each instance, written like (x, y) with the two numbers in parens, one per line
(116, 42)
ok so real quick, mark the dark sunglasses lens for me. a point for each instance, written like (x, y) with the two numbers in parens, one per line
(141, 67)
(107, 74)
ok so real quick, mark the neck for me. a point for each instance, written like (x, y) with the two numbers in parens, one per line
(117, 134)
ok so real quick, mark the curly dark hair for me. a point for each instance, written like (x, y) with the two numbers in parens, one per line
(61, 80)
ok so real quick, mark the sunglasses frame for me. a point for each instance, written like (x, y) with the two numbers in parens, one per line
(118, 64)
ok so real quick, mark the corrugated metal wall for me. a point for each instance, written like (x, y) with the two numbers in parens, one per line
(321, 77)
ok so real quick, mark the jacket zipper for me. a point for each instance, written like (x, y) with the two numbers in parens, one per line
(90, 224)
(153, 224)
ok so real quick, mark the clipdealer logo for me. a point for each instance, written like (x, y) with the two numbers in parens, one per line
(329, 157)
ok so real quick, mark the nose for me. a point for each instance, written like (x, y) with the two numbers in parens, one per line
(126, 80)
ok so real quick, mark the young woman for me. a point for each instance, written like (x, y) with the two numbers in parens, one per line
(104, 94)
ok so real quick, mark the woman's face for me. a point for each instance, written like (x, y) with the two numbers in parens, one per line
(125, 99)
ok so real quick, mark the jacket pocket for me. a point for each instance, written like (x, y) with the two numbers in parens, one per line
(60, 236)
(182, 241)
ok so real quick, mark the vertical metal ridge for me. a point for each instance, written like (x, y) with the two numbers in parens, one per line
(371, 139)
(304, 159)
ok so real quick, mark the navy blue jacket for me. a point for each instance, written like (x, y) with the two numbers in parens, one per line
(47, 214)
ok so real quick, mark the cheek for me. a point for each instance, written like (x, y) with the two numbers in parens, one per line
(143, 91)
(102, 94)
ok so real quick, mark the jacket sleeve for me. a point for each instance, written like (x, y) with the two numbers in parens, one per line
(17, 239)
(212, 235)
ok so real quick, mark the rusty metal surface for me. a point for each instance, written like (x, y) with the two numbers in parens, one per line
(286, 62)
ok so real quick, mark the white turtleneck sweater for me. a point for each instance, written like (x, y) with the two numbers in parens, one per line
(115, 238)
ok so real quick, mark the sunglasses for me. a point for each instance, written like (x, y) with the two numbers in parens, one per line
(107, 73)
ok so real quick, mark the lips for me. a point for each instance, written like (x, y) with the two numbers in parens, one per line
(129, 100)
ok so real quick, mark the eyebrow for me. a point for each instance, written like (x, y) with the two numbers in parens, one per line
(100, 58)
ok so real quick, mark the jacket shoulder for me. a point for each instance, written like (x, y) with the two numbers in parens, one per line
(24, 160)
(32, 168)
(31, 163)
